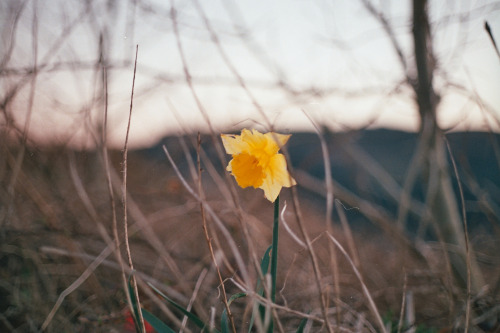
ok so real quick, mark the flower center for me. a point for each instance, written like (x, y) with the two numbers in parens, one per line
(247, 171)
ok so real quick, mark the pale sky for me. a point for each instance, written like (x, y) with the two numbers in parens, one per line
(333, 56)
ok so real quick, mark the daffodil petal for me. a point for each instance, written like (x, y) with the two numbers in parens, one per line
(277, 177)
(279, 172)
(270, 142)
(276, 140)
(233, 143)
(254, 139)
(271, 189)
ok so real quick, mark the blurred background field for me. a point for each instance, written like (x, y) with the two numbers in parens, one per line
(51, 234)
(393, 107)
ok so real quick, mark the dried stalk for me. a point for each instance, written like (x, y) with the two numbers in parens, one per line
(208, 240)
(139, 320)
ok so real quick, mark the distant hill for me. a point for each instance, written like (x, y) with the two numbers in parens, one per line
(476, 153)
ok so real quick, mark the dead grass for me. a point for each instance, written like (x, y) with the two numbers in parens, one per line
(49, 237)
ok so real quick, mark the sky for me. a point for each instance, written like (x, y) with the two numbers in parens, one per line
(260, 64)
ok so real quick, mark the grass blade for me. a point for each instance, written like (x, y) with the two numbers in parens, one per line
(135, 306)
(302, 324)
(157, 324)
(224, 319)
(264, 267)
(264, 264)
(195, 319)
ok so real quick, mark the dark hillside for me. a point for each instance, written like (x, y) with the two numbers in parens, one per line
(355, 157)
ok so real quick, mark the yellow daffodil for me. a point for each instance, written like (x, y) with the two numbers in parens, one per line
(256, 161)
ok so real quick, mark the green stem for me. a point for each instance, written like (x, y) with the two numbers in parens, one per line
(274, 254)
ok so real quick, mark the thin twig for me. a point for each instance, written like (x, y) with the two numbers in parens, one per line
(312, 256)
(329, 209)
(466, 236)
(266, 301)
(45, 62)
(229, 64)
(27, 121)
(152, 237)
(403, 302)
(371, 303)
(207, 238)
(220, 153)
(77, 283)
(202, 276)
(347, 232)
(10, 42)
(140, 320)
(375, 213)
(388, 29)
(290, 231)
(105, 157)
(384, 178)
(210, 211)
(490, 33)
